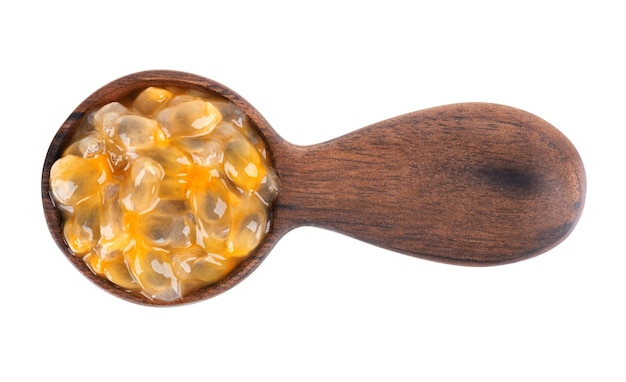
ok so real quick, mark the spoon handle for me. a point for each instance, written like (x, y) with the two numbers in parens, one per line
(468, 184)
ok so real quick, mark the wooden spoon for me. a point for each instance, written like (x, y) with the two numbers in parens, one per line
(467, 184)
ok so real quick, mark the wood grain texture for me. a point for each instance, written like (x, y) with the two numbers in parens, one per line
(467, 184)
(470, 184)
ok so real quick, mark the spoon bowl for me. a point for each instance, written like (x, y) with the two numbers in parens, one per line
(467, 184)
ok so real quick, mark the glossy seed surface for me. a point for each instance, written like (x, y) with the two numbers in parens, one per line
(165, 193)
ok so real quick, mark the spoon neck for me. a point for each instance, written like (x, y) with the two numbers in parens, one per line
(341, 183)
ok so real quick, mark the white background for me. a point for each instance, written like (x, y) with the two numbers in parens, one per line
(323, 306)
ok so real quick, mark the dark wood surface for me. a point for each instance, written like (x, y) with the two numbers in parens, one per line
(466, 184)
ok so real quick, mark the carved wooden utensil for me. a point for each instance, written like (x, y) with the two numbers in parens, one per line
(468, 184)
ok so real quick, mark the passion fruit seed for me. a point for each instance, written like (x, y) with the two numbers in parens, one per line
(165, 194)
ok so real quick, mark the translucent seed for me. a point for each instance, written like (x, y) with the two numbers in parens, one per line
(117, 155)
(251, 134)
(212, 268)
(230, 112)
(189, 119)
(168, 226)
(121, 244)
(112, 216)
(74, 178)
(183, 259)
(114, 269)
(183, 266)
(181, 98)
(90, 146)
(140, 191)
(249, 226)
(204, 152)
(173, 188)
(171, 207)
(104, 119)
(94, 263)
(174, 161)
(78, 240)
(268, 187)
(82, 229)
(154, 273)
(226, 131)
(117, 272)
(211, 206)
(210, 201)
(195, 269)
(135, 132)
(152, 100)
(242, 164)
(195, 93)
